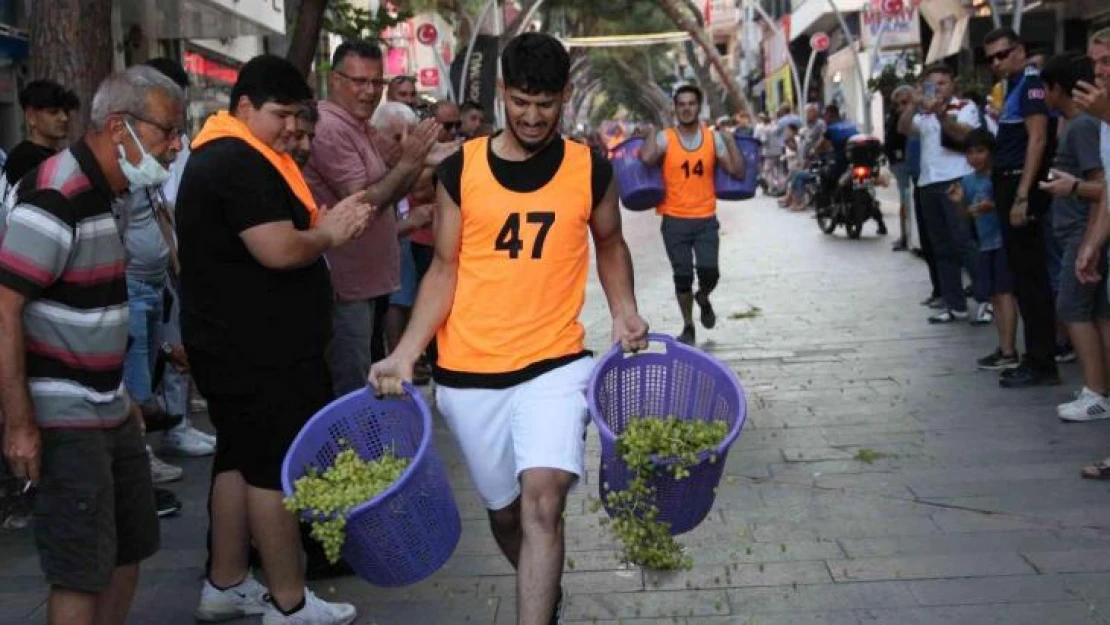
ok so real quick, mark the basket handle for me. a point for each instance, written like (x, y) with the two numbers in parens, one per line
(667, 341)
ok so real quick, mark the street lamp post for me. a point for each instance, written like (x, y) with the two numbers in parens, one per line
(864, 95)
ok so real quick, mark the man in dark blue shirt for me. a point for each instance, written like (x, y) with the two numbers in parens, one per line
(839, 130)
(1021, 159)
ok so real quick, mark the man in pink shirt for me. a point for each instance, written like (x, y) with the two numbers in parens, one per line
(346, 159)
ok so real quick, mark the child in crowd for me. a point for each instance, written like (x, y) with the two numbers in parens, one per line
(974, 193)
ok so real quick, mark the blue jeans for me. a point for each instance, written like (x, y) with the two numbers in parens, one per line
(798, 183)
(144, 302)
(950, 235)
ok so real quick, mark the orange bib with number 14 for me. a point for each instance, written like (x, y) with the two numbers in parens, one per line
(523, 266)
(688, 177)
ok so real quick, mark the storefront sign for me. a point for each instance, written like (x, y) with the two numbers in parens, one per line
(429, 77)
(212, 70)
(897, 19)
(776, 49)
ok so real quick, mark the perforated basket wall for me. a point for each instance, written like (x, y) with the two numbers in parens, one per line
(407, 532)
(683, 382)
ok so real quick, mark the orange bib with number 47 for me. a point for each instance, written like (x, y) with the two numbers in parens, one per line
(688, 178)
(522, 270)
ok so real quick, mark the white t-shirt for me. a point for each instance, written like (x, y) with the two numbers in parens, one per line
(938, 163)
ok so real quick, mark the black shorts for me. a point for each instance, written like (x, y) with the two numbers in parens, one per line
(94, 510)
(257, 421)
(690, 243)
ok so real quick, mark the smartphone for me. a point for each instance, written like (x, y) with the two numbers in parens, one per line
(930, 90)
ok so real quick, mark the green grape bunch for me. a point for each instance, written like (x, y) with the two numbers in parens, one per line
(329, 496)
(648, 446)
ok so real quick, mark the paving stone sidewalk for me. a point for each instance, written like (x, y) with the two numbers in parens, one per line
(881, 479)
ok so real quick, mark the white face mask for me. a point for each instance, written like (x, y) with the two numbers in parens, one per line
(149, 172)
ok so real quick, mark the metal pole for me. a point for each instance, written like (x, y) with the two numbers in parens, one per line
(878, 45)
(499, 29)
(463, 78)
(995, 17)
(809, 69)
(864, 95)
(800, 97)
(528, 16)
(1019, 8)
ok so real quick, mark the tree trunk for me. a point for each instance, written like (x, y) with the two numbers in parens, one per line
(306, 36)
(680, 14)
(705, 80)
(71, 43)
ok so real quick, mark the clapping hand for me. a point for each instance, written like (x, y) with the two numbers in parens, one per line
(346, 220)
(416, 143)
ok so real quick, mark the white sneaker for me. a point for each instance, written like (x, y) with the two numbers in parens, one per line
(316, 611)
(246, 599)
(162, 471)
(188, 441)
(1088, 406)
(984, 315)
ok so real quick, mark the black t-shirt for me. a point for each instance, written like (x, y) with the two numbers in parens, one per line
(528, 175)
(894, 144)
(24, 157)
(232, 307)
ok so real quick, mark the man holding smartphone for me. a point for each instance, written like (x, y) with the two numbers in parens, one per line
(942, 121)
(1021, 159)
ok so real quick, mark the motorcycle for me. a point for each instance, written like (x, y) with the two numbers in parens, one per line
(852, 201)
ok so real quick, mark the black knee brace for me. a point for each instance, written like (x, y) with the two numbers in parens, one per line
(683, 284)
(708, 278)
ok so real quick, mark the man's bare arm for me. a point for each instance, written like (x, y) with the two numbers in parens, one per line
(650, 152)
(21, 446)
(1036, 126)
(735, 166)
(437, 289)
(614, 261)
(905, 121)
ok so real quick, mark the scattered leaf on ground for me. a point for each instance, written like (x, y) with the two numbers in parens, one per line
(870, 455)
(750, 313)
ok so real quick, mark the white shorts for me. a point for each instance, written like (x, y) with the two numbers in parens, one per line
(504, 432)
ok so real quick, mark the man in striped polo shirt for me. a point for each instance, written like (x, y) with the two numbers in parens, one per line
(69, 425)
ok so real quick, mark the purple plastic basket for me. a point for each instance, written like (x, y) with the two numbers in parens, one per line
(684, 382)
(729, 188)
(409, 531)
(641, 187)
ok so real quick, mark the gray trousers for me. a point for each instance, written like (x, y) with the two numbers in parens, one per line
(349, 351)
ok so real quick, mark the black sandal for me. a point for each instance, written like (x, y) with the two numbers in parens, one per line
(1097, 471)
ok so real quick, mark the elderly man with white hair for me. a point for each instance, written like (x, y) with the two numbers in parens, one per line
(392, 121)
(69, 425)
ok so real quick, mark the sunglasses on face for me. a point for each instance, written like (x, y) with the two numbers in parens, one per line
(451, 126)
(1001, 55)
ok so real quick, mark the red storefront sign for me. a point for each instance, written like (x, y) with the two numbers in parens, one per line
(213, 70)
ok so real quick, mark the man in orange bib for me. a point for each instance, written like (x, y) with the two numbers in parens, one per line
(688, 154)
(502, 296)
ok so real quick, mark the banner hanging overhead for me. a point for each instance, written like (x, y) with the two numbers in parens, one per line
(480, 84)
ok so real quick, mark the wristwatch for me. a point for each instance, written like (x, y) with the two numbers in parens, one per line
(167, 348)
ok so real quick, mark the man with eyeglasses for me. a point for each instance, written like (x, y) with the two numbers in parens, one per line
(346, 159)
(402, 89)
(1021, 159)
(69, 425)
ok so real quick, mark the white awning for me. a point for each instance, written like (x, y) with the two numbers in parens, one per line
(204, 19)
